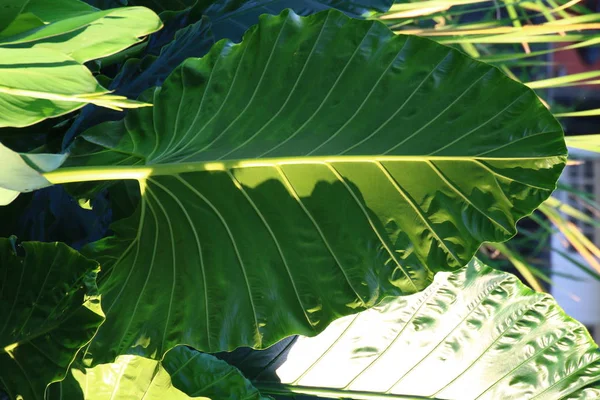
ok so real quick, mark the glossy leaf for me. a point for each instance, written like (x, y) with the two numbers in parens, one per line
(183, 374)
(89, 36)
(358, 161)
(474, 334)
(50, 308)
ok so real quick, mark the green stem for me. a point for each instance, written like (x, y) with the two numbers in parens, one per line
(289, 390)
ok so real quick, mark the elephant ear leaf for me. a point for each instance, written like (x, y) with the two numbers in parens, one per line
(358, 161)
(50, 309)
(473, 334)
(41, 71)
(183, 374)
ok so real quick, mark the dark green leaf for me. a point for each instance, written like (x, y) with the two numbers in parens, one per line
(137, 75)
(50, 308)
(9, 10)
(21, 172)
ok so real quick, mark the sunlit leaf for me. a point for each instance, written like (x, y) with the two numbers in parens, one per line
(474, 334)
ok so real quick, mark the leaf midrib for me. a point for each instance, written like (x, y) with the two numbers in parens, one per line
(137, 172)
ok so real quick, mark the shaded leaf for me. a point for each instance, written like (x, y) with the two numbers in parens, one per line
(56, 10)
(43, 83)
(50, 309)
(88, 36)
(137, 75)
(231, 18)
(242, 11)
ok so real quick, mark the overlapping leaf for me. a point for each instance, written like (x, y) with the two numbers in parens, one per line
(10, 10)
(473, 334)
(89, 36)
(50, 308)
(231, 18)
(40, 55)
(359, 163)
(236, 9)
(43, 83)
(183, 374)
(137, 75)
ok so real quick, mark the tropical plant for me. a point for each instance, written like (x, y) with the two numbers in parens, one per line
(274, 193)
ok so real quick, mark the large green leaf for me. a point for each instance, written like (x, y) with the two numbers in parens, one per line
(43, 83)
(183, 374)
(473, 334)
(90, 35)
(358, 162)
(50, 308)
